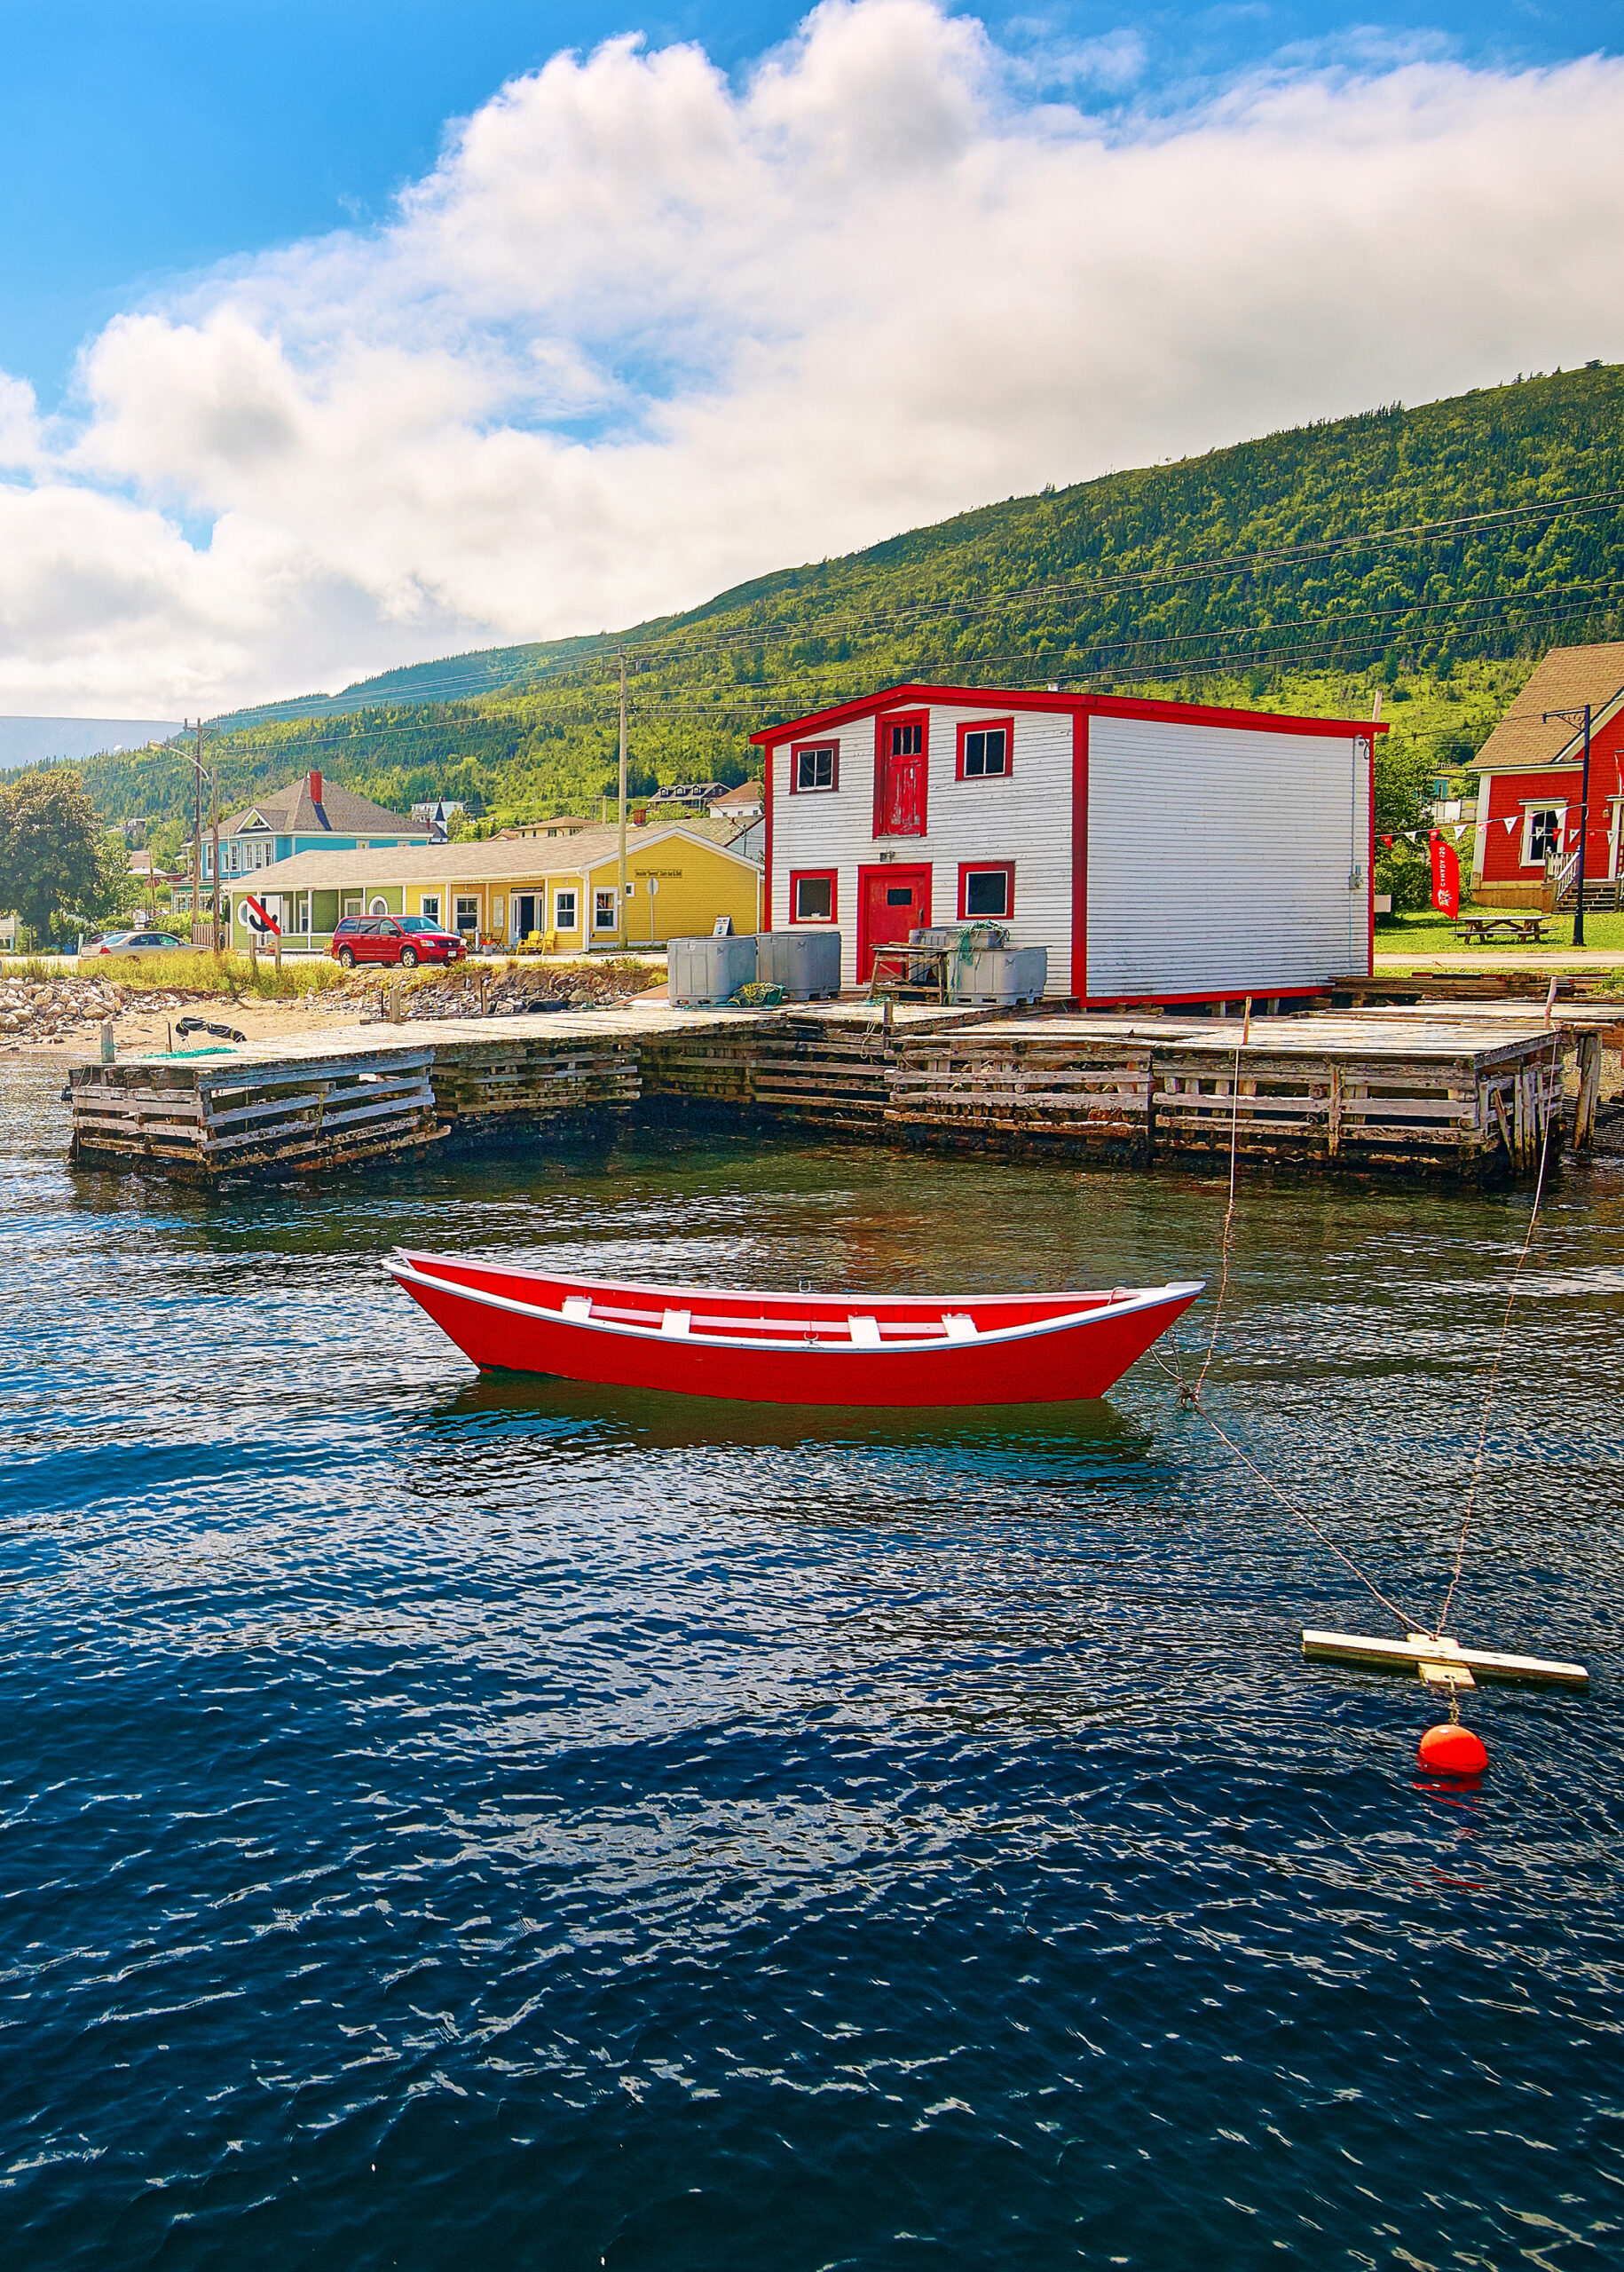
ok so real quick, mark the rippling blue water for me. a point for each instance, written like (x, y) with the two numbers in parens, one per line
(454, 1823)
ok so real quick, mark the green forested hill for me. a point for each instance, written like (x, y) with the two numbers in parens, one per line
(1435, 551)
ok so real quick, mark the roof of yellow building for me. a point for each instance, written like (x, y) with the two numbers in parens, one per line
(491, 860)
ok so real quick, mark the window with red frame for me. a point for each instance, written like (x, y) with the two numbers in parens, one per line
(814, 766)
(987, 750)
(986, 891)
(812, 896)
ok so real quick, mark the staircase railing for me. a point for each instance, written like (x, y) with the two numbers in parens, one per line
(1568, 875)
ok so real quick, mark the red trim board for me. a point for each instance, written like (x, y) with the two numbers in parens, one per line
(1008, 700)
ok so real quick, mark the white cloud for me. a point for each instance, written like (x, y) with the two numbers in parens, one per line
(643, 333)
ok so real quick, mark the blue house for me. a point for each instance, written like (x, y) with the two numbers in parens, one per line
(307, 815)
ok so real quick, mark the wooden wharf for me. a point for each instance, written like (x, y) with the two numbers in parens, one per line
(1439, 1092)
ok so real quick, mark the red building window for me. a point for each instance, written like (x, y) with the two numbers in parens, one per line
(986, 891)
(902, 754)
(987, 750)
(813, 896)
(814, 766)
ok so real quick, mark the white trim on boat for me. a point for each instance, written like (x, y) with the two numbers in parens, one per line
(801, 1340)
(663, 1297)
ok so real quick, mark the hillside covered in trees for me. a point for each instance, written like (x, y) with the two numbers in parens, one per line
(1435, 552)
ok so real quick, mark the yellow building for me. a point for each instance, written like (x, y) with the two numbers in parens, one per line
(500, 891)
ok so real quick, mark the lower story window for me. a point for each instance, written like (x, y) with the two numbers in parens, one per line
(1542, 833)
(467, 917)
(565, 918)
(352, 907)
(812, 896)
(432, 906)
(604, 917)
(987, 893)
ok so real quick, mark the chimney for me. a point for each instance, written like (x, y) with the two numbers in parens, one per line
(315, 788)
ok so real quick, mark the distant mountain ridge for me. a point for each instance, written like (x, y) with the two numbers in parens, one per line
(34, 741)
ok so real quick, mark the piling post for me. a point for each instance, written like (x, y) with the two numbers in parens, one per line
(1590, 1090)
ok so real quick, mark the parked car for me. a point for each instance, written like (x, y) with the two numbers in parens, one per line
(404, 939)
(138, 943)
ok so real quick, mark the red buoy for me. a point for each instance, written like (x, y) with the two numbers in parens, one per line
(1451, 1750)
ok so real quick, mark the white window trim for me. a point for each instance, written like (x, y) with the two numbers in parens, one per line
(429, 906)
(571, 893)
(1531, 806)
(600, 894)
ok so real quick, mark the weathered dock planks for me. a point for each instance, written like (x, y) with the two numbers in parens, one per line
(1301, 1091)
(1389, 1090)
(205, 1118)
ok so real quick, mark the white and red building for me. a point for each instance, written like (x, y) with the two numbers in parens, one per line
(1159, 851)
(1531, 774)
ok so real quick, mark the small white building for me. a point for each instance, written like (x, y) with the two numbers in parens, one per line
(1159, 851)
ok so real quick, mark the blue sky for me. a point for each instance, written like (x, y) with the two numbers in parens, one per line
(338, 337)
(142, 139)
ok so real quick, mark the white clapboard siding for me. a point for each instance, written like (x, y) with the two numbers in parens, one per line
(1220, 858)
(1024, 817)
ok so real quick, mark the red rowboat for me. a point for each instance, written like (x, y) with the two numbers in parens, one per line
(839, 1349)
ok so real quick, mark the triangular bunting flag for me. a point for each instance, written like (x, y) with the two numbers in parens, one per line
(1387, 840)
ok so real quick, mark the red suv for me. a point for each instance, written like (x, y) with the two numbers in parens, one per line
(406, 939)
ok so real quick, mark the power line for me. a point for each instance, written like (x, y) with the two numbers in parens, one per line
(873, 622)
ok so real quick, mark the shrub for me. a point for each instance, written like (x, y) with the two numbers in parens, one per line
(1406, 872)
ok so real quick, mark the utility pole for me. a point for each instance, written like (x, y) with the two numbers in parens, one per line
(620, 912)
(214, 796)
(197, 833)
(1580, 716)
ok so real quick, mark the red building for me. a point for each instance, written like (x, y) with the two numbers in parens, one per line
(1529, 791)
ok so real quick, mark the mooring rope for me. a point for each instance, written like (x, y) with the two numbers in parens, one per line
(1190, 1392)
(1192, 1396)
(1488, 1393)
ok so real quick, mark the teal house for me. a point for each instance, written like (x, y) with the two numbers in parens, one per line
(308, 815)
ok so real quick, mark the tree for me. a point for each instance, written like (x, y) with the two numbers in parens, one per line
(53, 847)
(168, 844)
(116, 892)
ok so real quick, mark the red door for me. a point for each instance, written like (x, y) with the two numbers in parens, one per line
(899, 776)
(892, 903)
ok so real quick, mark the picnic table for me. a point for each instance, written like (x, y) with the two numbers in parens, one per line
(918, 973)
(1521, 930)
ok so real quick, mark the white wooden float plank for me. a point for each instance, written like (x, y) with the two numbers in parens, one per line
(1381, 1655)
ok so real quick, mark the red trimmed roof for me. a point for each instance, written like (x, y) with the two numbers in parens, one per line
(1099, 706)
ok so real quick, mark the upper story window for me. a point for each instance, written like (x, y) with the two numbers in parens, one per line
(986, 750)
(814, 765)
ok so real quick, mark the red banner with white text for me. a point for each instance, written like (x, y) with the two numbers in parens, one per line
(1446, 876)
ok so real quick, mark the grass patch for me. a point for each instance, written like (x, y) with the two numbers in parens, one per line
(229, 975)
(1427, 933)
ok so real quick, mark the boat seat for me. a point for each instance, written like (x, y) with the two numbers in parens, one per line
(864, 1332)
(958, 1326)
(577, 1308)
(675, 1322)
